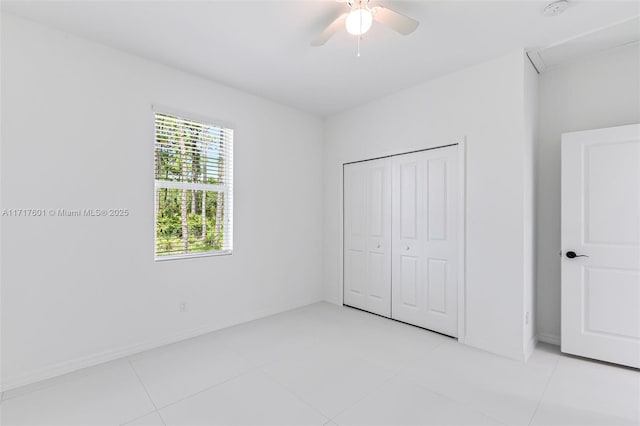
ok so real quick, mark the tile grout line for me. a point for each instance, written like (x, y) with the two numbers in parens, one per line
(295, 394)
(366, 395)
(145, 390)
(205, 389)
(479, 411)
(140, 417)
(449, 398)
(457, 401)
(428, 353)
(397, 372)
(56, 381)
(546, 386)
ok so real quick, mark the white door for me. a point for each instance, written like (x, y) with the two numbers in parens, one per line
(367, 236)
(424, 233)
(601, 244)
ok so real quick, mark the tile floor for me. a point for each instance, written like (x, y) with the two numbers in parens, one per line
(324, 364)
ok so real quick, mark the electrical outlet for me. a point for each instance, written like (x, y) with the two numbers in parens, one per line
(183, 306)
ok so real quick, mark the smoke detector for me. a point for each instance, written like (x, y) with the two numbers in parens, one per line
(555, 8)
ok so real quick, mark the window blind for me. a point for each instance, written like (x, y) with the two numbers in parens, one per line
(193, 187)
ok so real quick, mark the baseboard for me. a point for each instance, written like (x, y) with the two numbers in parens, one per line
(531, 346)
(333, 301)
(549, 338)
(516, 354)
(66, 367)
(80, 363)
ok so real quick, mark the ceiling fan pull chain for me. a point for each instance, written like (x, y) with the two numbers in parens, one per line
(359, 37)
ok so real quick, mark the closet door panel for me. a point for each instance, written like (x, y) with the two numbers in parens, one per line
(437, 199)
(407, 195)
(408, 284)
(354, 237)
(437, 285)
(378, 220)
(430, 238)
(376, 192)
(377, 267)
(406, 229)
(441, 313)
(367, 191)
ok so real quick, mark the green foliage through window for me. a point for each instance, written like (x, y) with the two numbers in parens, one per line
(193, 179)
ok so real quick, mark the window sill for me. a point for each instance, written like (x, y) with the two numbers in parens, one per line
(192, 255)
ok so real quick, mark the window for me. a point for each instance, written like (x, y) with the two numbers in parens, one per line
(193, 188)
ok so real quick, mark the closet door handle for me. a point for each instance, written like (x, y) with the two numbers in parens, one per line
(573, 255)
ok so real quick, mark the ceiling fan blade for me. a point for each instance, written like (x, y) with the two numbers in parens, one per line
(329, 31)
(394, 20)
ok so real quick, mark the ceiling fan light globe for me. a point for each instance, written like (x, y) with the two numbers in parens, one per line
(359, 21)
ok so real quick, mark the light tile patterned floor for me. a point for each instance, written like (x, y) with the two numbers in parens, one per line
(325, 364)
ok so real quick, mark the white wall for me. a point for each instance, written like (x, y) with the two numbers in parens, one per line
(531, 106)
(78, 290)
(485, 103)
(595, 92)
(77, 133)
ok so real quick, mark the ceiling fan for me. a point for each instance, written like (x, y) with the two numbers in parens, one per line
(360, 18)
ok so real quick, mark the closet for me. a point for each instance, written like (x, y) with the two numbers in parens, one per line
(401, 237)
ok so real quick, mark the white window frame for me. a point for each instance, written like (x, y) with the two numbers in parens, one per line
(227, 190)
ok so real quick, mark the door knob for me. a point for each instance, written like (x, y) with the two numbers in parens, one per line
(572, 255)
(407, 249)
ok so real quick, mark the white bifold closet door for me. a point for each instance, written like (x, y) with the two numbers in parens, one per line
(367, 236)
(424, 239)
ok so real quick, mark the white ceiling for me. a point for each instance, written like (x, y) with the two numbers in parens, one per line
(263, 47)
(549, 57)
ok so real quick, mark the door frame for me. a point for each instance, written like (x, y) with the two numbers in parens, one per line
(461, 223)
